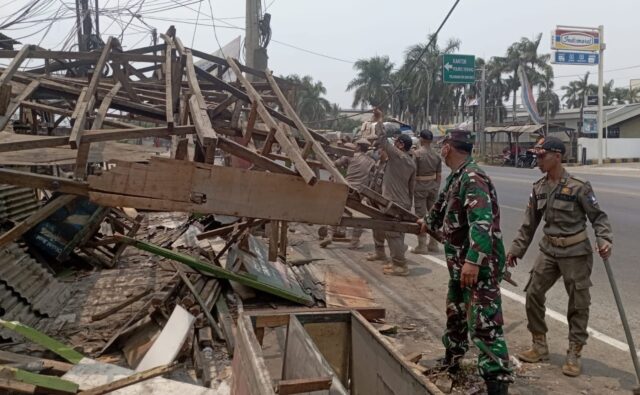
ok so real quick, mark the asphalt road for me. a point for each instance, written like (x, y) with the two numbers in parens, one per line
(619, 196)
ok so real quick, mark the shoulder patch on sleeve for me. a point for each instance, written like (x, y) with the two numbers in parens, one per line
(540, 180)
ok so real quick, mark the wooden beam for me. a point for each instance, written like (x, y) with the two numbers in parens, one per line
(40, 181)
(47, 364)
(85, 106)
(69, 113)
(35, 143)
(245, 153)
(90, 56)
(315, 146)
(17, 60)
(85, 147)
(130, 380)
(168, 75)
(300, 386)
(93, 136)
(43, 213)
(15, 102)
(391, 226)
(292, 152)
(198, 107)
(14, 386)
(123, 78)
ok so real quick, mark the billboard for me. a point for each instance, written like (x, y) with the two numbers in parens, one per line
(590, 122)
(576, 40)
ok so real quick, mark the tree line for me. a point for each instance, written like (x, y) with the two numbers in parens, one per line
(415, 92)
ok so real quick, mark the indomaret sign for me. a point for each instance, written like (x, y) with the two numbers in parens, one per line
(576, 40)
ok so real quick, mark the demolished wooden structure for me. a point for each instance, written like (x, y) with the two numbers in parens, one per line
(275, 165)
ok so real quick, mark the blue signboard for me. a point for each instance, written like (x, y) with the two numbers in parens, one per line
(581, 58)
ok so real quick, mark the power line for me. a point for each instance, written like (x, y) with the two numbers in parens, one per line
(313, 52)
(215, 32)
(193, 39)
(433, 37)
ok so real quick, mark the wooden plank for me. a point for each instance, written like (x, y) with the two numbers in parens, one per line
(93, 136)
(169, 86)
(292, 152)
(315, 146)
(114, 309)
(5, 97)
(104, 106)
(15, 102)
(91, 56)
(222, 106)
(47, 364)
(269, 319)
(14, 386)
(40, 181)
(300, 347)
(28, 142)
(97, 71)
(123, 79)
(245, 153)
(133, 379)
(168, 184)
(198, 108)
(333, 340)
(207, 311)
(69, 113)
(15, 63)
(226, 322)
(390, 225)
(250, 373)
(297, 386)
(372, 355)
(43, 213)
(274, 236)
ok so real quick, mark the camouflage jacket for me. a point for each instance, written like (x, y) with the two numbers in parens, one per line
(468, 213)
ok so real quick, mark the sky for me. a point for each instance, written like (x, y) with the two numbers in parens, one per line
(347, 30)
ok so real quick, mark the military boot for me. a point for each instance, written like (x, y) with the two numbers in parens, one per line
(539, 351)
(450, 363)
(497, 387)
(421, 248)
(376, 256)
(572, 365)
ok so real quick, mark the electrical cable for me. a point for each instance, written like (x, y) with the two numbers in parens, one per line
(193, 39)
(215, 32)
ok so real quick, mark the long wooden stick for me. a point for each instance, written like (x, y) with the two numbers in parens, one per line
(130, 380)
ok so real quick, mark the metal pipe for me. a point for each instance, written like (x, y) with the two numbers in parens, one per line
(623, 318)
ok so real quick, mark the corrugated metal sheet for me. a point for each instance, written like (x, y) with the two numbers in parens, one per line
(20, 273)
(17, 203)
(13, 308)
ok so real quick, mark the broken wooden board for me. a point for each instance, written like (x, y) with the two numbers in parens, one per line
(347, 291)
(175, 185)
(90, 374)
(166, 347)
(250, 374)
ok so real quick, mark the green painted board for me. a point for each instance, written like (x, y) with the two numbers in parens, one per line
(458, 69)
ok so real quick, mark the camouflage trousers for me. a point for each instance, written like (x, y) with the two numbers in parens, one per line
(476, 313)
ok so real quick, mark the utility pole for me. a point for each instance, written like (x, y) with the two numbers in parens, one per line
(483, 109)
(600, 91)
(97, 20)
(252, 39)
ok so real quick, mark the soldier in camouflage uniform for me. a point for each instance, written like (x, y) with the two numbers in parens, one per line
(565, 202)
(467, 213)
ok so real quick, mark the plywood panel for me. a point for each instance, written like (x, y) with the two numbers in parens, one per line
(377, 368)
(333, 340)
(303, 360)
(174, 185)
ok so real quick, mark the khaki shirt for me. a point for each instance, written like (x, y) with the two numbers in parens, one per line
(565, 208)
(377, 175)
(358, 168)
(399, 180)
(428, 163)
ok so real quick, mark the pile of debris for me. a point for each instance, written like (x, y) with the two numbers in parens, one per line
(209, 194)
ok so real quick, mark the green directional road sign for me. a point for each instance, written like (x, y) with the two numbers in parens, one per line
(459, 69)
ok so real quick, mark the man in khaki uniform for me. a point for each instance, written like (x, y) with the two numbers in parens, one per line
(398, 186)
(358, 172)
(565, 202)
(428, 176)
(375, 183)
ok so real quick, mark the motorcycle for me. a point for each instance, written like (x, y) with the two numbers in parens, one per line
(527, 159)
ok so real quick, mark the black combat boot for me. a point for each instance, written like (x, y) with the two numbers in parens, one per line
(497, 387)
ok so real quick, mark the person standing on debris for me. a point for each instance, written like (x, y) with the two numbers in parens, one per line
(375, 183)
(358, 172)
(467, 211)
(565, 202)
(398, 186)
(428, 175)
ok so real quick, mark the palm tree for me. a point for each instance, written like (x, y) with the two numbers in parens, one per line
(309, 102)
(372, 82)
(523, 53)
(576, 91)
(547, 98)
